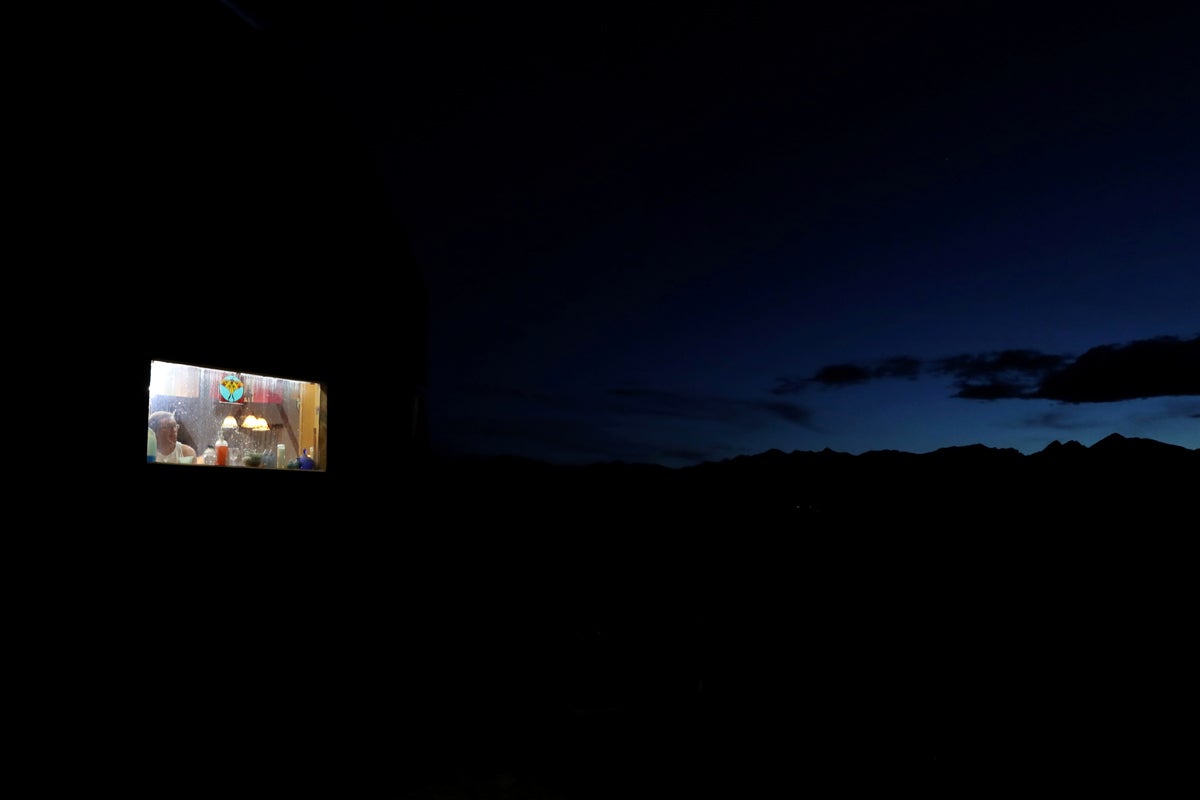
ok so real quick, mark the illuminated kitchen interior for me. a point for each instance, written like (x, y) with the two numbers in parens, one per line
(264, 421)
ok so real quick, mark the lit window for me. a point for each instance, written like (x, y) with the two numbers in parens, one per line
(224, 417)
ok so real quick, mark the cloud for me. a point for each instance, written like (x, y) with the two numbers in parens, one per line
(851, 374)
(987, 376)
(1159, 367)
(1002, 375)
(1162, 367)
(844, 375)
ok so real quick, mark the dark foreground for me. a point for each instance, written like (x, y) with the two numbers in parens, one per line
(507, 634)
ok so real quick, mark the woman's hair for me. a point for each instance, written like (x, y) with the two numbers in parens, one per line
(158, 418)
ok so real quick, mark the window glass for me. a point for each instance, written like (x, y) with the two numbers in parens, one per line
(263, 421)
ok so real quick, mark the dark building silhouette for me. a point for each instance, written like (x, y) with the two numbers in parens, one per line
(261, 206)
(245, 228)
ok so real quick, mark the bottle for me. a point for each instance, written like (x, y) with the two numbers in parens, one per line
(280, 455)
(151, 445)
(210, 456)
(222, 449)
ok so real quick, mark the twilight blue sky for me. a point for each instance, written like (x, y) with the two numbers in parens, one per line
(682, 233)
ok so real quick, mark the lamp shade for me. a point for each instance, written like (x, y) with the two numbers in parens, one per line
(250, 422)
(229, 422)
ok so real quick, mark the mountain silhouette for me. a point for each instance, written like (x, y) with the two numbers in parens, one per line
(1117, 477)
(946, 620)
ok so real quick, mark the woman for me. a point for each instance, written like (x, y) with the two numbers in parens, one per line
(170, 449)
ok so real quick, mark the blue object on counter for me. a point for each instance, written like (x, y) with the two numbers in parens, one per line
(306, 462)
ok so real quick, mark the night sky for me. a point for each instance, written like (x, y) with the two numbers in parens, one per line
(682, 233)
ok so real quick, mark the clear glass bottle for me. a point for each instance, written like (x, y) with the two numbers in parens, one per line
(222, 449)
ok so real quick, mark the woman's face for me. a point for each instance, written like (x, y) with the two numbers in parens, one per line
(168, 432)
